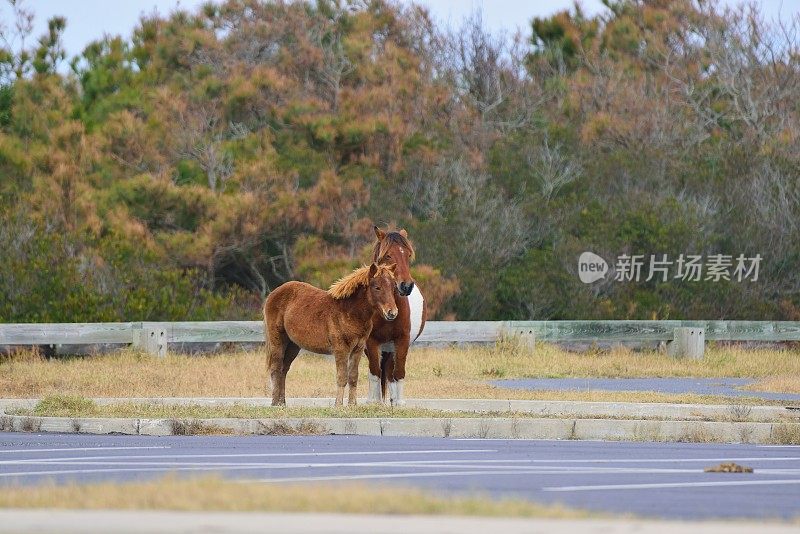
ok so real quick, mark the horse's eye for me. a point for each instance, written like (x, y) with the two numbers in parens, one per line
(388, 256)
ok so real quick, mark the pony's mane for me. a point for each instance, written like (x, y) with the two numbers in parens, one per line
(382, 246)
(347, 285)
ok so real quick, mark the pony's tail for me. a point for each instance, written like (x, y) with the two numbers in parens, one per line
(267, 352)
(385, 357)
(266, 327)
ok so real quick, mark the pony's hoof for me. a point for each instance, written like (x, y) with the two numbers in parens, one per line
(374, 395)
(396, 393)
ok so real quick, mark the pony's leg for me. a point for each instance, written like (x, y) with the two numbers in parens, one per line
(277, 350)
(397, 378)
(342, 358)
(387, 371)
(352, 371)
(373, 356)
(289, 354)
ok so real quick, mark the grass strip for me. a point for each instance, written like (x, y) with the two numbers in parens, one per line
(75, 406)
(217, 494)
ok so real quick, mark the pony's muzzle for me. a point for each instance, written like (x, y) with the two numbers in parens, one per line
(390, 315)
(405, 289)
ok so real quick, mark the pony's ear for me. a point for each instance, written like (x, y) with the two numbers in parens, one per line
(380, 234)
(373, 270)
(393, 268)
(404, 233)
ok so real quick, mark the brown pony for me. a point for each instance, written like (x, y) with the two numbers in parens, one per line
(387, 346)
(298, 315)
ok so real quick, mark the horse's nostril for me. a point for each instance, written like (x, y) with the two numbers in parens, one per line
(406, 289)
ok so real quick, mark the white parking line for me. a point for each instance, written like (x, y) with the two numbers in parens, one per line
(417, 474)
(177, 457)
(666, 460)
(540, 469)
(249, 467)
(511, 440)
(459, 469)
(665, 485)
(123, 460)
(420, 463)
(115, 470)
(74, 449)
(370, 476)
(378, 476)
(524, 466)
(246, 455)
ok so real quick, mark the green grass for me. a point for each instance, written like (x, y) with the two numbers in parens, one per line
(64, 405)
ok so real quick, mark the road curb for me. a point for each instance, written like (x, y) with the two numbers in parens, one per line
(129, 521)
(543, 408)
(557, 420)
(456, 427)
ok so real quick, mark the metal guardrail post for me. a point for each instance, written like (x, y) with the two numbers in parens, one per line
(528, 338)
(526, 335)
(688, 342)
(151, 338)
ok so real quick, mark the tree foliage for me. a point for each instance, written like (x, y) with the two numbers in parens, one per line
(185, 171)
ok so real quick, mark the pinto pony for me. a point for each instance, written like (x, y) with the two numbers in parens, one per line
(387, 346)
(338, 321)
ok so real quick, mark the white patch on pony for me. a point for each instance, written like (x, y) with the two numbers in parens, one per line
(415, 303)
(396, 393)
(374, 388)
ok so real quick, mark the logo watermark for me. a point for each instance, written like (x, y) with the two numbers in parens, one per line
(591, 267)
(659, 267)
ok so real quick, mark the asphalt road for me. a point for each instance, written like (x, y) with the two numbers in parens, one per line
(663, 480)
(727, 387)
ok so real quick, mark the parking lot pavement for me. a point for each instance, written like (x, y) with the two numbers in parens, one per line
(664, 480)
(726, 387)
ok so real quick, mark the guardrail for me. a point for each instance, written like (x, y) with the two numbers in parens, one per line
(154, 336)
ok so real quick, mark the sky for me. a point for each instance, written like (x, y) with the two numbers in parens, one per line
(88, 20)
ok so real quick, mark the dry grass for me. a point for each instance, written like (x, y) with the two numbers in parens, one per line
(190, 427)
(431, 373)
(282, 428)
(783, 384)
(697, 434)
(786, 435)
(131, 374)
(73, 406)
(510, 360)
(214, 493)
(187, 417)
